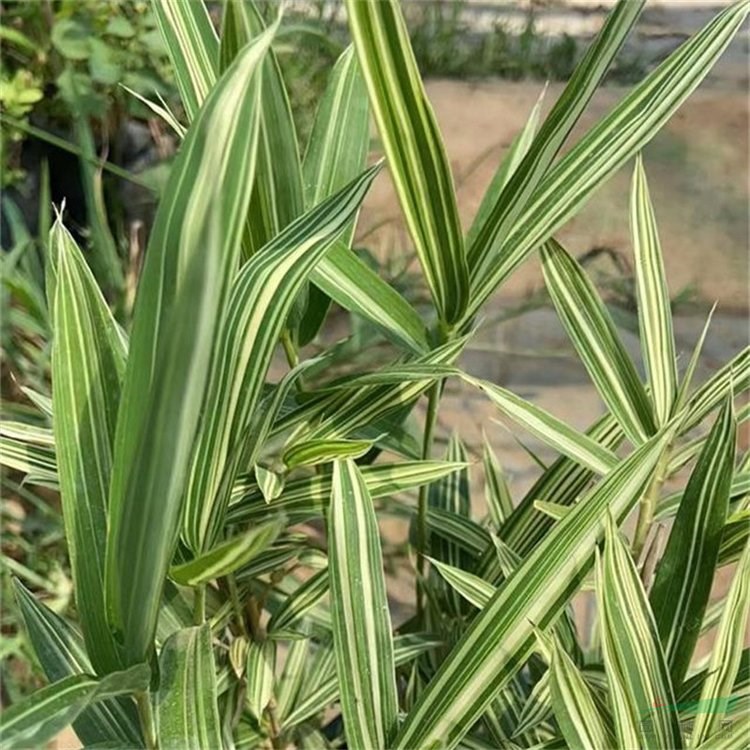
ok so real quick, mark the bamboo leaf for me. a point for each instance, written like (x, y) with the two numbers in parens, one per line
(416, 156)
(547, 428)
(261, 660)
(587, 76)
(654, 312)
(186, 707)
(88, 362)
(361, 622)
(312, 452)
(192, 254)
(36, 720)
(193, 48)
(496, 492)
(606, 147)
(228, 556)
(636, 667)
(270, 482)
(685, 573)
(336, 153)
(61, 652)
(300, 602)
(595, 338)
(726, 654)
(501, 637)
(261, 297)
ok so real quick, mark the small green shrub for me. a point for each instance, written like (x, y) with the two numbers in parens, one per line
(212, 611)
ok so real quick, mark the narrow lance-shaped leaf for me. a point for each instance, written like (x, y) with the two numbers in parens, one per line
(88, 361)
(606, 147)
(501, 637)
(61, 652)
(193, 48)
(260, 301)
(573, 704)
(277, 197)
(685, 573)
(361, 622)
(336, 153)
(636, 667)
(192, 255)
(595, 338)
(416, 156)
(587, 76)
(726, 654)
(186, 704)
(497, 493)
(261, 660)
(654, 313)
(38, 719)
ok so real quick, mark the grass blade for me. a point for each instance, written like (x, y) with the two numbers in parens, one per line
(88, 362)
(361, 622)
(635, 663)
(595, 338)
(726, 654)
(501, 637)
(186, 707)
(192, 254)
(685, 573)
(412, 143)
(654, 312)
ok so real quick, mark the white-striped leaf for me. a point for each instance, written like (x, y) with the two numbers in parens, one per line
(192, 254)
(60, 650)
(654, 312)
(38, 719)
(589, 73)
(496, 491)
(361, 623)
(501, 637)
(228, 556)
(685, 573)
(261, 297)
(593, 333)
(312, 452)
(187, 713)
(270, 482)
(573, 704)
(412, 143)
(552, 431)
(298, 604)
(606, 147)
(293, 677)
(88, 362)
(726, 654)
(261, 661)
(193, 47)
(636, 667)
(474, 589)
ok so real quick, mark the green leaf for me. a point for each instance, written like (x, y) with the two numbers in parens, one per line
(88, 361)
(277, 197)
(501, 637)
(416, 155)
(39, 718)
(726, 654)
(595, 338)
(312, 452)
(684, 576)
(193, 48)
(496, 491)
(589, 73)
(547, 428)
(474, 589)
(192, 254)
(361, 622)
(336, 153)
(304, 499)
(228, 556)
(296, 605)
(605, 148)
(186, 704)
(636, 667)
(262, 295)
(61, 652)
(270, 482)
(261, 658)
(71, 39)
(573, 704)
(654, 312)
(295, 673)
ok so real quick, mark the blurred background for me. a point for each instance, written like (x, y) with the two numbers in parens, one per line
(76, 80)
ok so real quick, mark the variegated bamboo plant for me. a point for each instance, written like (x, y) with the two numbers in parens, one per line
(211, 614)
